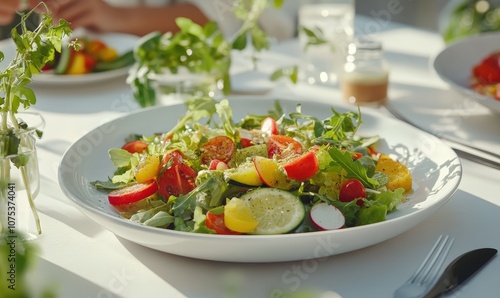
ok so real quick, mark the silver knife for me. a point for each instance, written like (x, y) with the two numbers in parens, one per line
(461, 270)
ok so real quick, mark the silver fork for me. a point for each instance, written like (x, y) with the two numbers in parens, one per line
(426, 275)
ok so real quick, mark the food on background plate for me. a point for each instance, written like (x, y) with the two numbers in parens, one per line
(486, 76)
(265, 174)
(91, 55)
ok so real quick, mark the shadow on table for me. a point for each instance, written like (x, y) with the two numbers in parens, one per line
(64, 283)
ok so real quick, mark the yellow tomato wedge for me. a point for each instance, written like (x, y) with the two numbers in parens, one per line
(399, 175)
(238, 216)
(147, 169)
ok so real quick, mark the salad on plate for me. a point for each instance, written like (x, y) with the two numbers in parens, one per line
(262, 175)
(486, 76)
(88, 55)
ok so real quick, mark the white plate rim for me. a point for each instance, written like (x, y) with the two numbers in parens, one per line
(115, 222)
(478, 39)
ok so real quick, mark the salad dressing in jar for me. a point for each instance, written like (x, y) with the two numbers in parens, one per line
(365, 79)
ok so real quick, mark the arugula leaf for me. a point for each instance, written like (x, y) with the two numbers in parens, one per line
(208, 193)
(353, 168)
(107, 185)
(160, 219)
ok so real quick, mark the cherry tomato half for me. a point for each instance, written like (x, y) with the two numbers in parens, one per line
(246, 142)
(219, 147)
(178, 179)
(133, 193)
(216, 222)
(488, 71)
(276, 145)
(352, 189)
(136, 146)
(302, 167)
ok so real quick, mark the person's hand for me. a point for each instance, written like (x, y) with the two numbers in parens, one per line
(91, 14)
(8, 10)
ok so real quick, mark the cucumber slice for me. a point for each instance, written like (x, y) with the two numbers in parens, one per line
(120, 62)
(276, 210)
(63, 63)
(241, 155)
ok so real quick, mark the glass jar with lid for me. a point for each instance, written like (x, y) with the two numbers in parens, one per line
(365, 78)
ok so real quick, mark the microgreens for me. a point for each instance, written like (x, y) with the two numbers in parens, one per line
(196, 48)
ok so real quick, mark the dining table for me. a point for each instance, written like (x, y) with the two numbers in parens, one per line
(79, 258)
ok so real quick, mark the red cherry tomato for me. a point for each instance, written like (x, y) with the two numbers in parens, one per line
(89, 61)
(220, 147)
(371, 150)
(133, 193)
(216, 223)
(357, 155)
(302, 167)
(269, 126)
(136, 146)
(488, 70)
(487, 74)
(245, 142)
(352, 189)
(276, 145)
(176, 180)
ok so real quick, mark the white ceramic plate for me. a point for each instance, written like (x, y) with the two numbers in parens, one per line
(436, 172)
(120, 41)
(455, 62)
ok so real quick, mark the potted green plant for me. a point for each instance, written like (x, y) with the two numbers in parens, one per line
(19, 174)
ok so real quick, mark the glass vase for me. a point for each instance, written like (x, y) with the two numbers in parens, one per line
(20, 179)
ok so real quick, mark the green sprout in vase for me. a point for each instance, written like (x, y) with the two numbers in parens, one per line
(33, 50)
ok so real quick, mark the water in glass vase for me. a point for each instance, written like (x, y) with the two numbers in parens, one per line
(20, 184)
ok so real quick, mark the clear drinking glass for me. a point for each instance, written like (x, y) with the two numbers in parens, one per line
(184, 85)
(325, 29)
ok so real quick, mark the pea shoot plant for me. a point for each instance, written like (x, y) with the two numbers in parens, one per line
(196, 48)
(33, 50)
(249, 12)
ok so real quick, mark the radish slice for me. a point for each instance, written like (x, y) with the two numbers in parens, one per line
(327, 217)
